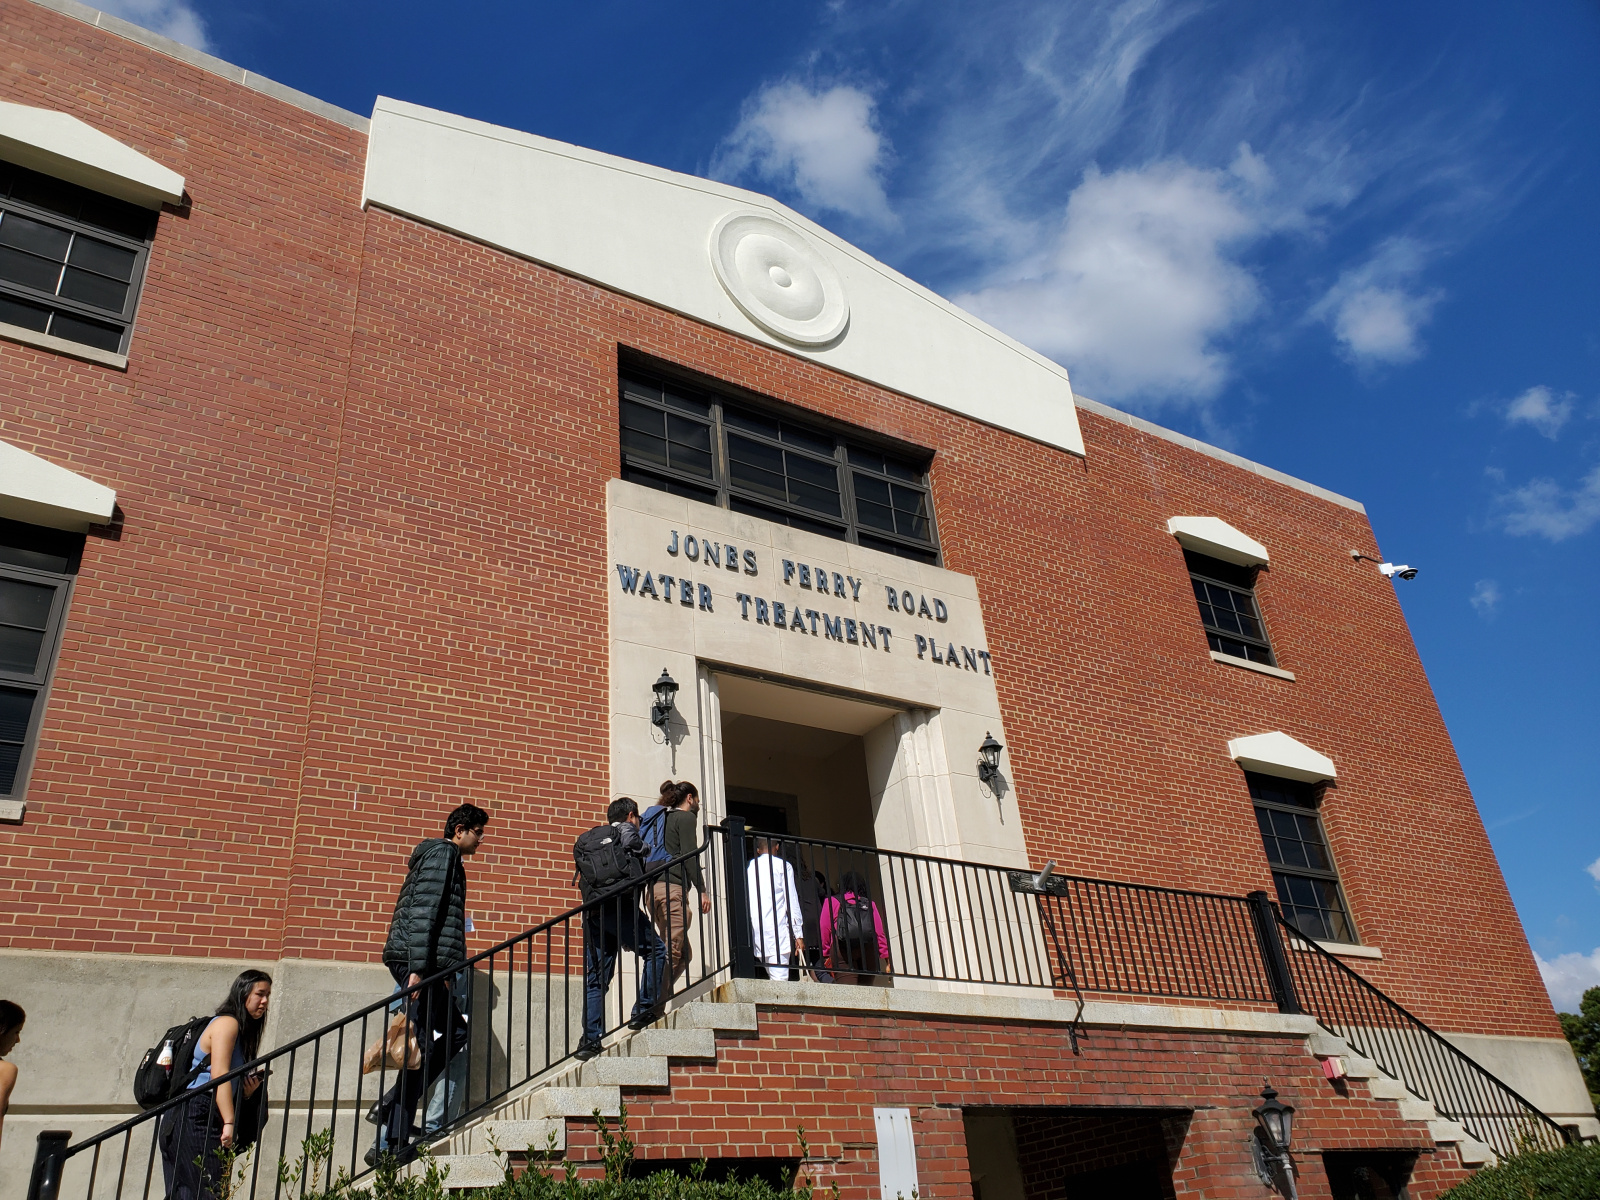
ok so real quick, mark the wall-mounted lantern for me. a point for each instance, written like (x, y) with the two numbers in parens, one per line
(1274, 1129)
(666, 688)
(989, 760)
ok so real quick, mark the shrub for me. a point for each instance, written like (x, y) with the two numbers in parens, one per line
(1570, 1173)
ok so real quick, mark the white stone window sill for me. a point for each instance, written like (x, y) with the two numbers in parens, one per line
(12, 810)
(29, 337)
(1341, 949)
(1217, 656)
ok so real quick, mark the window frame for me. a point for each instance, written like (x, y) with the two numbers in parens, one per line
(1196, 574)
(723, 492)
(1311, 810)
(40, 680)
(58, 303)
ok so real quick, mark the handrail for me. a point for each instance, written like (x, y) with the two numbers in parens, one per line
(939, 920)
(1411, 1051)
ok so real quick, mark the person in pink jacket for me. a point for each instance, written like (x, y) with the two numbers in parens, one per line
(853, 939)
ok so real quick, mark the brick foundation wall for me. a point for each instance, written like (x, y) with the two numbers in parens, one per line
(360, 578)
(828, 1071)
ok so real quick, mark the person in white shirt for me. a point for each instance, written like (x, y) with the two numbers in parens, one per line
(775, 916)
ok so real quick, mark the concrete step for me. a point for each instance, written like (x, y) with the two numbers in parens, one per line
(516, 1137)
(1475, 1154)
(1356, 1067)
(710, 1014)
(674, 1043)
(1326, 1045)
(1384, 1088)
(472, 1170)
(575, 1101)
(1413, 1108)
(623, 1071)
(1446, 1131)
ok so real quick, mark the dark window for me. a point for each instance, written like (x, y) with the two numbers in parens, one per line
(1302, 868)
(1227, 598)
(697, 445)
(71, 260)
(36, 567)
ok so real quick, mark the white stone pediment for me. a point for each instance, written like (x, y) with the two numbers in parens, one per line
(722, 255)
(40, 493)
(1215, 537)
(60, 145)
(1277, 753)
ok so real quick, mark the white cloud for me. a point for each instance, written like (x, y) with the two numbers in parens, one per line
(1140, 280)
(176, 19)
(824, 144)
(1486, 597)
(1568, 976)
(1375, 312)
(1545, 508)
(1593, 870)
(1543, 409)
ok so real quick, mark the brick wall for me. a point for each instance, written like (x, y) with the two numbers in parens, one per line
(360, 578)
(828, 1071)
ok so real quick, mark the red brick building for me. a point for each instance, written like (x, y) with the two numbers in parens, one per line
(322, 442)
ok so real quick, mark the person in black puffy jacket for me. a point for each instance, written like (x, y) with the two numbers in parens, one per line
(427, 935)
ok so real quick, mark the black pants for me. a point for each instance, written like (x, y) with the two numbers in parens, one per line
(190, 1140)
(440, 1036)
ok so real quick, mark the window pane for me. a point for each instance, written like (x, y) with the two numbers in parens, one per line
(736, 419)
(911, 552)
(90, 333)
(817, 443)
(644, 432)
(672, 486)
(686, 404)
(19, 649)
(29, 316)
(872, 502)
(813, 484)
(756, 467)
(870, 459)
(25, 604)
(34, 236)
(42, 191)
(119, 217)
(1313, 907)
(16, 706)
(911, 512)
(900, 470)
(689, 446)
(102, 258)
(92, 289)
(29, 270)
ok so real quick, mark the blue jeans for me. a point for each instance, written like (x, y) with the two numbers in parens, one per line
(620, 925)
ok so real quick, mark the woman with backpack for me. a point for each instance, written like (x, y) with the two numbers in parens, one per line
(852, 933)
(11, 1019)
(225, 1118)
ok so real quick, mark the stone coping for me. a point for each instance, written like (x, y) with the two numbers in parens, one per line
(976, 1006)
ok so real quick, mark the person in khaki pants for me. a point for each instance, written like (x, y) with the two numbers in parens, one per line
(669, 895)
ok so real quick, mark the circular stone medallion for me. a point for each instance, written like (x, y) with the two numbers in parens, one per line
(779, 278)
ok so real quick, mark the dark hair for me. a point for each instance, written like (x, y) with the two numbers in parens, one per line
(465, 816)
(668, 791)
(233, 1006)
(621, 809)
(685, 790)
(853, 883)
(11, 1016)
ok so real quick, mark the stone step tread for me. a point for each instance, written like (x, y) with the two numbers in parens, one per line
(556, 1101)
(710, 1014)
(623, 1071)
(674, 1043)
(1475, 1154)
(1413, 1109)
(1443, 1129)
(472, 1170)
(1384, 1088)
(1357, 1067)
(1324, 1044)
(519, 1136)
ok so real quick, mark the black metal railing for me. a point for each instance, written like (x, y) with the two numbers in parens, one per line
(784, 908)
(509, 1015)
(1407, 1049)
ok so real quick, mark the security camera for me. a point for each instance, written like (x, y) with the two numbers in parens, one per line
(1390, 570)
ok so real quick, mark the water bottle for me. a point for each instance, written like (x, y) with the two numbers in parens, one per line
(164, 1059)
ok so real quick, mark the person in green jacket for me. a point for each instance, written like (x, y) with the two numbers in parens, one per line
(669, 895)
(427, 935)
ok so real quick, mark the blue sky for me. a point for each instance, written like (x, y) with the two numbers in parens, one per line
(1357, 242)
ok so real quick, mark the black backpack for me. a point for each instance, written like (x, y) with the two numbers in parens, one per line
(602, 862)
(155, 1083)
(855, 936)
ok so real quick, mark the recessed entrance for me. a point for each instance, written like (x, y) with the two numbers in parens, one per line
(795, 761)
